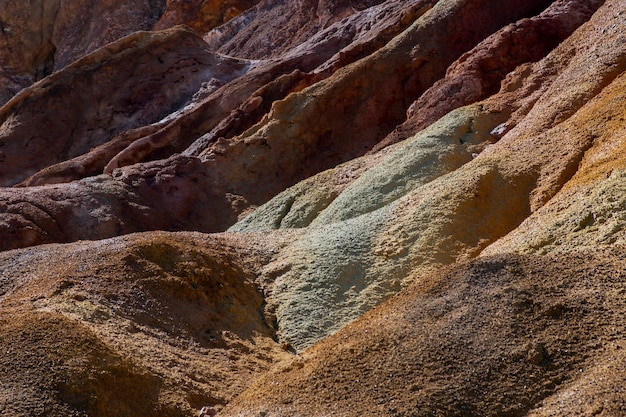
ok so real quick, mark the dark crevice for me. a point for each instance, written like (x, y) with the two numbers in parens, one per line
(285, 211)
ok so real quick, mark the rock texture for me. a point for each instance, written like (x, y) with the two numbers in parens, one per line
(313, 208)
(504, 335)
(479, 73)
(201, 15)
(141, 325)
(398, 69)
(47, 35)
(437, 199)
(130, 83)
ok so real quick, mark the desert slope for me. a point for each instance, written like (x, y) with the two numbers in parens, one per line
(313, 208)
(503, 335)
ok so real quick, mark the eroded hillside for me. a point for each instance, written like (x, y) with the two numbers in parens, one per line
(313, 208)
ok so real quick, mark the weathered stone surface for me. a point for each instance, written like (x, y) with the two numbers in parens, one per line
(298, 138)
(47, 35)
(340, 117)
(135, 81)
(101, 207)
(587, 211)
(133, 326)
(429, 204)
(273, 27)
(231, 110)
(478, 73)
(226, 112)
(201, 15)
(493, 337)
(234, 165)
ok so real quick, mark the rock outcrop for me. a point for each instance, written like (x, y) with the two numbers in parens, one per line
(478, 74)
(307, 133)
(136, 325)
(504, 335)
(133, 82)
(47, 35)
(436, 198)
(201, 15)
(313, 208)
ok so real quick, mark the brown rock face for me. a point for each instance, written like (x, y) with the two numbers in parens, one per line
(312, 208)
(201, 15)
(130, 83)
(508, 335)
(47, 35)
(142, 325)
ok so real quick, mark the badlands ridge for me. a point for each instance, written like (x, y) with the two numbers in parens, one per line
(313, 208)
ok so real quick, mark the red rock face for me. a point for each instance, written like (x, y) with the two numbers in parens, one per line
(273, 26)
(48, 35)
(479, 72)
(201, 15)
(133, 82)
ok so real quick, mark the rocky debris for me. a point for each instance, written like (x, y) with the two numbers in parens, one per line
(337, 204)
(52, 365)
(524, 335)
(48, 35)
(112, 93)
(201, 15)
(157, 323)
(207, 412)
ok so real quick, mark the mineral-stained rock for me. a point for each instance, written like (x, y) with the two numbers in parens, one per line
(493, 337)
(135, 81)
(201, 15)
(47, 35)
(478, 73)
(306, 144)
(101, 207)
(132, 326)
(340, 117)
(587, 211)
(226, 112)
(485, 231)
(429, 204)
(101, 22)
(25, 40)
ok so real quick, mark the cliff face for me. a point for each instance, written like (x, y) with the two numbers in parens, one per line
(313, 208)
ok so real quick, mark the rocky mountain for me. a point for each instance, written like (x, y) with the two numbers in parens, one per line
(313, 208)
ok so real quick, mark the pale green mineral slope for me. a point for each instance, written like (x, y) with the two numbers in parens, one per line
(375, 224)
